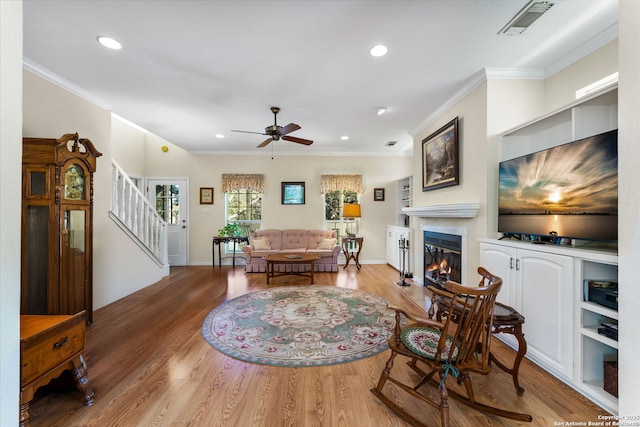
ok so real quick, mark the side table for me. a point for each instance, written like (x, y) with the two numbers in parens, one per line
(351, 246)
(49, 345)
(219, 240)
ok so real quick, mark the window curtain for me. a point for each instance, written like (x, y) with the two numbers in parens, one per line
(331, 183)
(242, 181)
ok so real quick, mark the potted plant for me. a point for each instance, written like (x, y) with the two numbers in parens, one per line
(230, 230)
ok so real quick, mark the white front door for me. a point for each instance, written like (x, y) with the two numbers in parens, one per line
(171, 199)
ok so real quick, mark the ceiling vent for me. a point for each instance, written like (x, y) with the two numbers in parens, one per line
(391, 143)
(527, 16)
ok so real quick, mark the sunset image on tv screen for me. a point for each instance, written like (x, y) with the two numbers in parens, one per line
(571, 190)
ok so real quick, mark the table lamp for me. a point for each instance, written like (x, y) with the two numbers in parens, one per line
(351, 211)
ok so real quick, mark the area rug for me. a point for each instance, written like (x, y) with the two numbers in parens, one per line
(301, 326)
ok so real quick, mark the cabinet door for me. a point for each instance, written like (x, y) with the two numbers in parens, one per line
(392, 247)
(545, 299)
(501, 261)
(74, 279)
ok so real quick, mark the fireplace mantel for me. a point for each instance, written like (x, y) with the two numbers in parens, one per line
(460, 210)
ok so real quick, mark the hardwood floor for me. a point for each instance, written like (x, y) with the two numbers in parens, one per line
(149, 365)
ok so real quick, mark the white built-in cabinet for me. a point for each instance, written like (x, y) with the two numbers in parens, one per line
(401, 229)
(394, 234)
(545, 283)
(405, 200)
(539, 286)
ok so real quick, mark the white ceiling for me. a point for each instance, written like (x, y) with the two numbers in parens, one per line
(189, 70)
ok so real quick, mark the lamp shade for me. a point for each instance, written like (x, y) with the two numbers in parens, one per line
(351, 211)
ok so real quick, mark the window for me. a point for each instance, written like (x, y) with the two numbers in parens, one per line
(243, 202)
(333, 207)
(167, 202)
(339, 190)
(243, 207)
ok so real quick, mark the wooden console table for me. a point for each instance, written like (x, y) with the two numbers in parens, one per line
(50, 345)
(219, 240)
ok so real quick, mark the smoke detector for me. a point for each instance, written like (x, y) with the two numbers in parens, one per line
(527, 16)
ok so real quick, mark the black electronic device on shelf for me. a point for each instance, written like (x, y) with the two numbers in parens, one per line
(602, 292)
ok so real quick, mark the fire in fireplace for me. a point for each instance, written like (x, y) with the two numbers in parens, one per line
(442, 258)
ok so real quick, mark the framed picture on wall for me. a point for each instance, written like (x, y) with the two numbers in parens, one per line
(206, 195)
(440, 163)
(293, 193)
(378, 194)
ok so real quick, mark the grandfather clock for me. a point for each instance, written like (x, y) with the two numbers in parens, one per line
(57, 224)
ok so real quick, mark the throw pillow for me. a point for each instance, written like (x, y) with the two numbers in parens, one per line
(261, 244)
(327, 243)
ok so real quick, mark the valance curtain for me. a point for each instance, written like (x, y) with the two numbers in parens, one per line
(331, 183)
(242, 181)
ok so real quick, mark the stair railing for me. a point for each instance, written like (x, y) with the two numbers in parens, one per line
(137, 216)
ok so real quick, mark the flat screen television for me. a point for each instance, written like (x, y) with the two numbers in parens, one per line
(569, 191)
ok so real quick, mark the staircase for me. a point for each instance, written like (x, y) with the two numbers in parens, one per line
(133, 213)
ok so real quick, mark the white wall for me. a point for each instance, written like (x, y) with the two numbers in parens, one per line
(49, 111)
(560, 89)
(127, 147)
(206, 171)
(10, 206)
(472, 134)
(629, 209)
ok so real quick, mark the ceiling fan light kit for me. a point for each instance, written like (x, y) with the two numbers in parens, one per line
(276, 132)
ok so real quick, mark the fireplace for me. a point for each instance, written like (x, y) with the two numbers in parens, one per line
(442, 258)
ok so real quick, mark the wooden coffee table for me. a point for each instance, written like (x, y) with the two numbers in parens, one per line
(274, 259)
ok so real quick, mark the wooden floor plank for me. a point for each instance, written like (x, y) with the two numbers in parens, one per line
(150, 366)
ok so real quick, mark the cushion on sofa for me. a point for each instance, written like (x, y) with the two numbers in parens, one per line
(315, 237)
(274, 237)
(327, 243)
(261, 244)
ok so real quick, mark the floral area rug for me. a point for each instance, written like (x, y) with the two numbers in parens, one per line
(301, 326)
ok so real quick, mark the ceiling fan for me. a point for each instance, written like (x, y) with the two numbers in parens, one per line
(276, 132)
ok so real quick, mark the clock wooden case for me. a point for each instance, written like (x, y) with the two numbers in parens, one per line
(57, 225)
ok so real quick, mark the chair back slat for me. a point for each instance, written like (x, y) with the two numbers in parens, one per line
(468, 313)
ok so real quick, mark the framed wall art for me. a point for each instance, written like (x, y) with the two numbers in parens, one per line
(440, 163)
(378, 194)
(293, 193)
(206, 195)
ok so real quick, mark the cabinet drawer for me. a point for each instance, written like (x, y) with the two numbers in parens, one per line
(51, 347)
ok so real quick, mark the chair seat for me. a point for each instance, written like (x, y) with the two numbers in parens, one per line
(424, 342)
(504, 313)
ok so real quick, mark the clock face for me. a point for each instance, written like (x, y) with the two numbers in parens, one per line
(74, 181)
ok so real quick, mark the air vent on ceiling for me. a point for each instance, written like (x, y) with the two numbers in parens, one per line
(527, 16)
(391, 143)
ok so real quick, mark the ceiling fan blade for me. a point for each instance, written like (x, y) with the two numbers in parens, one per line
(265, 143)
(297, 140)
(289, 128)
(247, 131)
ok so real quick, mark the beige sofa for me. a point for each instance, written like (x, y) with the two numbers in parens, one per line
(271, 241)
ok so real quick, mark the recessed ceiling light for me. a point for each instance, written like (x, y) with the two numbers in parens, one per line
(378, 50)
(109, 42)
(344, 137)
(220, 136)
(380, 110)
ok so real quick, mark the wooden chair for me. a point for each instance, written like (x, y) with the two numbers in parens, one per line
(457, 345)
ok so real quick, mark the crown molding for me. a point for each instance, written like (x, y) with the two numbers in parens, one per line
(52, 77)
